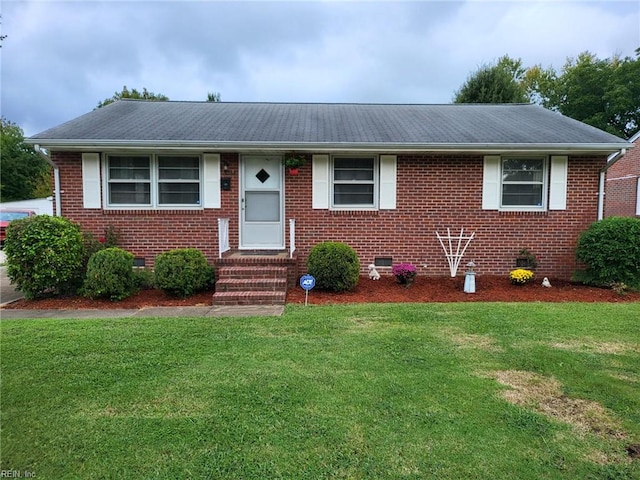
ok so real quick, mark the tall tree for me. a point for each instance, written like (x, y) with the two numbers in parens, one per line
(499, 83)
(602, 93)
(25, 174)
(135, 94)
(213, 97)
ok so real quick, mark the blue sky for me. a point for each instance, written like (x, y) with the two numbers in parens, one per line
(61, 58)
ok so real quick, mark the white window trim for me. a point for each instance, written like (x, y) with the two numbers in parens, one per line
(376, 184)
(555, 188)
(154, 183)
(545, 186)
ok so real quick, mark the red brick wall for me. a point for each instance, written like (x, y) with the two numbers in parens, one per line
(435, 192)
(149, 233)
(622, 185)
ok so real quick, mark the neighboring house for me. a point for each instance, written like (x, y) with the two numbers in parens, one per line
(382, 178)
(622, 190)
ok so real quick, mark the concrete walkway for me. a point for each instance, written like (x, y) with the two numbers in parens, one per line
(212, 311)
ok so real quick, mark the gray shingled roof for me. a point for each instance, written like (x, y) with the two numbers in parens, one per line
(312, 125)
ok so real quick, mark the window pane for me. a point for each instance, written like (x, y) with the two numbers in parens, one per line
(179, 168)
(262, 206)
(522, 195)
(522, 170)
(353, 194)
(353, 169)
(179, 193)
(130, 193)
(129, 168)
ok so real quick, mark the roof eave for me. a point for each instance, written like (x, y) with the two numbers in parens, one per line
(84, 145)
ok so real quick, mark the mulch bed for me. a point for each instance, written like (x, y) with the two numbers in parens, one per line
(385, 290)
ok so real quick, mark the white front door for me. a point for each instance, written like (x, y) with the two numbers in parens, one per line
(261, 202)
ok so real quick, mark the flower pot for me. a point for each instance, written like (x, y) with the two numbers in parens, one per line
(293, 171)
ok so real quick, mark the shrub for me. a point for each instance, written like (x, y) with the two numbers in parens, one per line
(109, 275)
(334, 265)
(44, 255)
(183, 272)
(143, 278)
(93, 244)
(610, 249)
(520, 276)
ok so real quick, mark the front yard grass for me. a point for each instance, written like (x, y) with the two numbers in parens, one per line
(446, 391)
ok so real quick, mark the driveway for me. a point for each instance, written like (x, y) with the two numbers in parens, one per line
(7, 292)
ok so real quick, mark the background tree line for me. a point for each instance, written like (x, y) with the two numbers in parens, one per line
(602, 93)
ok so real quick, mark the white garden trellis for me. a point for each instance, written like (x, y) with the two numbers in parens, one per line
(454, 257)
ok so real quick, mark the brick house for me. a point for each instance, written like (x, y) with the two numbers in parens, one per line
(622, 188)
(382, 178)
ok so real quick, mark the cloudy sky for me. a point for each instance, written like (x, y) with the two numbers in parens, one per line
(61, 58)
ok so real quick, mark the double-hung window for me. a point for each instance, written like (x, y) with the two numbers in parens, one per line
(524, 182)
(129, 178)
(178, 180)
(354, 182)
(153, 180)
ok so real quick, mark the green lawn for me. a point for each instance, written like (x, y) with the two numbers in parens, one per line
(358, 391)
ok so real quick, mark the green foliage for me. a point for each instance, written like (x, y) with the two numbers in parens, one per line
(213, 97)
(109, 275)
(143, 278)
(334, 265)
(610, 249)
(134, 94)
(499, 83)
(45, 255)
(25, 174)
(602, 93)
(183, 272)
(93, 244)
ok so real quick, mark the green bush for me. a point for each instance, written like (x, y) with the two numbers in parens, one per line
(334, 265)
(44, 255)
(109, 275)
(610, 249)
(143, 278)
(183, 272)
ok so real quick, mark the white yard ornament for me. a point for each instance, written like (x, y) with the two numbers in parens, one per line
(454, 257)
(545, 282)
(373, 273)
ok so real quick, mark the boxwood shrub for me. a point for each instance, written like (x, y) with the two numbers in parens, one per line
(334, 265)
(110, 275)
(610, 249)
(183, 272)
(45, 255)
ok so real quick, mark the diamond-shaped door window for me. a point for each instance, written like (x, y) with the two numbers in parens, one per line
(262, 175)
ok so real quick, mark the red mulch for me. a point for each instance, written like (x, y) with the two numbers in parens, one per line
(385, 290)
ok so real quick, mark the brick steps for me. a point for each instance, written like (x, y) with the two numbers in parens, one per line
(256, 282)
(247, 284)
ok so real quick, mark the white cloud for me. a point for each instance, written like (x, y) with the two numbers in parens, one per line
(61, 58)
